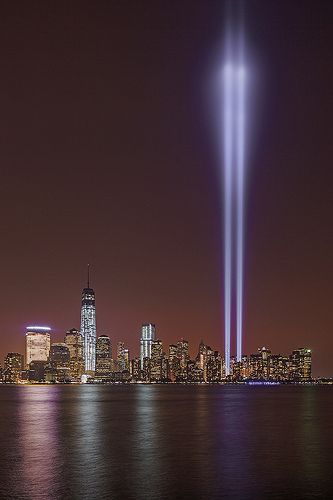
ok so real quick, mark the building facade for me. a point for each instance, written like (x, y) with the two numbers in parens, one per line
(103, 358)
(74, 342)
(13, 367)
(58, 369)
(38, 343)
(88, 328)
(147, 337)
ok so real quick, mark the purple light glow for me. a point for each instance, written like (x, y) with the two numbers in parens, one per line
(240, 205)
(228, 150)
(234, 80)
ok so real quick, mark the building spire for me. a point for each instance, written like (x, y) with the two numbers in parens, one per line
(88, 276)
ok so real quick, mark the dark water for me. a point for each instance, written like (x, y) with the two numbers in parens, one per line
(168, 442)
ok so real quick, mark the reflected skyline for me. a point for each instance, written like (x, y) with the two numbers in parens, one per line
(141, 442)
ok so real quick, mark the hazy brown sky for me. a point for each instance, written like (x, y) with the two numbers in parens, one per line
(108, 155)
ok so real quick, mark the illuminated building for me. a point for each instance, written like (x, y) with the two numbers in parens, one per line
(103, 358)
(126, 359)
(182, 352)
(59, 355)
(147, 337)
(173, 352)
(245, 369)
(136, 369)
(13, 367)
(38, 342)
(74, 342)
(204, 355)
(194, 373)
(158, 368)
(265, 355)
(88, 327)
(145, 370)
(174, 363)
(121, 357)
(58, 369)
(300, 365)
(278, 367)
(214, 368)
(37, 370)
(184, 357)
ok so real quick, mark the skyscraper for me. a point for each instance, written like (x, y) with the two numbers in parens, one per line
(13, 367)
(58, 368)
(74, 342)
(88, 327)
(103, 358)
(59, 357)
(123, 362)
(300, 365)
(147, 337)
(157, 362)
(38, 342)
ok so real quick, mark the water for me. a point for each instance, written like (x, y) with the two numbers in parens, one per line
(166, 442)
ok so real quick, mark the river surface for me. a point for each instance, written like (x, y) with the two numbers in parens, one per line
(166, 442)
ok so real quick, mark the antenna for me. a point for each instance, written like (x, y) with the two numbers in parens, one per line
(88, 276)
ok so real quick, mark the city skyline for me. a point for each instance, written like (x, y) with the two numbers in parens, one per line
(65, 362)
(84, 355)
(146, 333)
(120, 171)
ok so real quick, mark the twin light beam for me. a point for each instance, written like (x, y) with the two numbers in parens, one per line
(234, 80)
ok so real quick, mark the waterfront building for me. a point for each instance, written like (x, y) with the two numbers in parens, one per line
(59, 355)
(255, 366)
(194, 374)
(158, 368)
(88, 327)
(300, 365)
(136, 369)
(121, 357)
(13, 367)
(156, 350)
(126, 355)
(38, 342)
(174, 363)
(147, 336)
(245, 368)
(58, 369)
(265, 355)
(213, 371)
(74, 342)
(145, 370)
(103, 358)
(173, 353)
(183, 352)
(183, 357)
(277, 368)
(38, 370)
(204, 354)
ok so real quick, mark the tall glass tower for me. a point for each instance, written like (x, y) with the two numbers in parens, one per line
(147, 337)
(88, 327)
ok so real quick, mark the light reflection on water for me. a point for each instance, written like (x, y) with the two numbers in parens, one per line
(165, 442)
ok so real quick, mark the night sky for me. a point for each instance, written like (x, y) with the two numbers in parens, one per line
(109, 155)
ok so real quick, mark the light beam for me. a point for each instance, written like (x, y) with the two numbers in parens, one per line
(228, 154)
(234, 111)
(240, 129)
